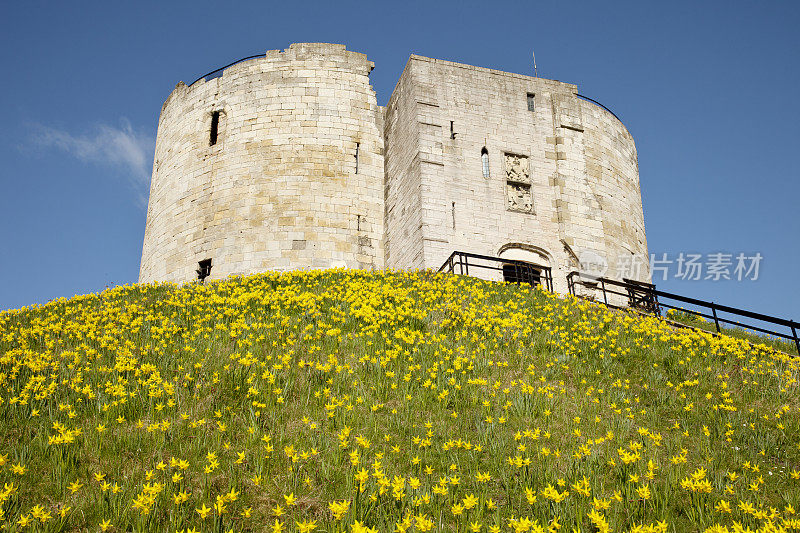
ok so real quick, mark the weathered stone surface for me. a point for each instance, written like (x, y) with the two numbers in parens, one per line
(279, 189)
(282, 187)
(579, 188)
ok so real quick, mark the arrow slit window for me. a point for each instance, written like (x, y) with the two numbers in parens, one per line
(214, 133)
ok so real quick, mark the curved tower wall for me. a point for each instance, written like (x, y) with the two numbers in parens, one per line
(563, 178)
(281, 188)
(612, 174)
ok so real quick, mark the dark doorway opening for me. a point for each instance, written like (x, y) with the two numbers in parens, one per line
(522, 273)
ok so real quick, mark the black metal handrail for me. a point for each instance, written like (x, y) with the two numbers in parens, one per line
(514, 270)
(645, 297)
(598, 103)
(211, 74)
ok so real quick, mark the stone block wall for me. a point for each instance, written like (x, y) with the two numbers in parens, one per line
(307, 171)
(403, 188)
(563, 176)
(279, 189)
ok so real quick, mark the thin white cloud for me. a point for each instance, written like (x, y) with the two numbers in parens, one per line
(121, 147)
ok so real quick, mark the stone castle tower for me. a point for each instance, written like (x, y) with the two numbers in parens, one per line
(286, 161)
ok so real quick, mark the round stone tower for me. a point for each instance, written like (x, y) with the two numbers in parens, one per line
(275, 164)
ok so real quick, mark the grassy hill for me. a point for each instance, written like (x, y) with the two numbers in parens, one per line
(347, 401)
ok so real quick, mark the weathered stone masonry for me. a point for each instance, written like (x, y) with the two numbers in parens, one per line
(279, 189)
(563, 177)
(299, 177)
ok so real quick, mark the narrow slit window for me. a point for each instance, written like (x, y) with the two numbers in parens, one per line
(531, 102)
(485, 162)
(204, 269)
(212, 139)
(358, 145)
(452, 130)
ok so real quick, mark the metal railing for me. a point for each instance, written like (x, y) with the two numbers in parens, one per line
(598, 103)
(513, 270)
(645, 297)
(218, 72)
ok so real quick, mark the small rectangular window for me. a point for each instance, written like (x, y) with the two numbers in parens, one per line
(204, 269)
(212, 140)
(531, 102)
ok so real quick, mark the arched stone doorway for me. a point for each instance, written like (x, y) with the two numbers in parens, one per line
(527, 264)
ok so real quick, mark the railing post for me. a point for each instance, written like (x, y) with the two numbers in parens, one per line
(716, 320)
(656, 305)
(603, 285)
(796, 340)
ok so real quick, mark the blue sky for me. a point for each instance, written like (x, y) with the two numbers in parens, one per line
(707, 89)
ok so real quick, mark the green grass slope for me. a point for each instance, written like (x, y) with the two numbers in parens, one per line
(385, 402)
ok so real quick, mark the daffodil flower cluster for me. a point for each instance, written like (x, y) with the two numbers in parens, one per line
(387, 402)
